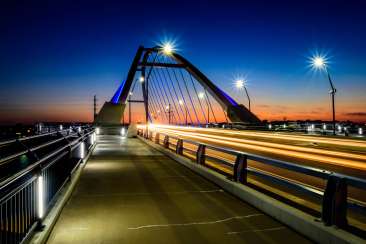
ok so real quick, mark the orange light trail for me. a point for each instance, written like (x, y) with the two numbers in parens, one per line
(319, 155)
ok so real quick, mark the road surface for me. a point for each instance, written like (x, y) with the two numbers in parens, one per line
(130, 193)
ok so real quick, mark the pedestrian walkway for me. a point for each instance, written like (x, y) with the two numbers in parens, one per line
(130, 193)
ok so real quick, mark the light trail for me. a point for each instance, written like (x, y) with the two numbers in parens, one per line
(332, 141)
(228, 141)
(287, 147)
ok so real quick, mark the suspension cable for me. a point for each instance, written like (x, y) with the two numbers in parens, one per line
(183, 97)
(199, 100)
(169, 92)
(210, 106)
(190, 97)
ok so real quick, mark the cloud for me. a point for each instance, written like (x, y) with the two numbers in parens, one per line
(263, 106)
(356, 114)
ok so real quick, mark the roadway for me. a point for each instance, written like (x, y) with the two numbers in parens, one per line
(342, 155)
(130, 193)
(347, 156)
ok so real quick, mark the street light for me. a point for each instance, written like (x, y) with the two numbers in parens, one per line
(320, 62)
(169, 111)
(240, 84)
(168, 48)
(142, 79)
(181, 103)
(201, 96)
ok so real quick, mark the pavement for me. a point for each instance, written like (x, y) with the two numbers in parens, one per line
(130, 193)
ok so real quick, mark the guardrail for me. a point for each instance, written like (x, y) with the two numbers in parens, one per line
(335, 201)
(33, 170)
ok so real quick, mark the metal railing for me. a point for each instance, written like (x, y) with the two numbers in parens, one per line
(334, 197)
(33, 170)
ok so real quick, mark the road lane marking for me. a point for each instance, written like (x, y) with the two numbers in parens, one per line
(256, 230)
(195, 223)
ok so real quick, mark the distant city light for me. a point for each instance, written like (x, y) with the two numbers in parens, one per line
(142, 79)
(324, 126)
(131, 93)
(79, 129)
(270, 126)
(61, 127)
(339, 128)
(180, 102)
(167, 107)
(284, 126)
(97, 130)
(123, 131)
(201, 95)
(312, 127)
(360, 131)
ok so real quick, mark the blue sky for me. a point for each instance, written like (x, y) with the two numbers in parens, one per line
(56, 56)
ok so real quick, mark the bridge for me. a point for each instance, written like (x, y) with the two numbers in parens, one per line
(199, 168)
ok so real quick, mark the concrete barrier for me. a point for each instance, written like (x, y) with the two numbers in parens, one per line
(302, 222)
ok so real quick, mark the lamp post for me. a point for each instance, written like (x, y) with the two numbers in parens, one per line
(320, 63)
(201, 96)
(181, 103)
(169, 111)
(240, 84)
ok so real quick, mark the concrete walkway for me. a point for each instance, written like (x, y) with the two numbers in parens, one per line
(130, 193)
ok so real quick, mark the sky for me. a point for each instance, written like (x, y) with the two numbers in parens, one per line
(56, 55)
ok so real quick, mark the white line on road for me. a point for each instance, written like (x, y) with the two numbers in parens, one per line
(255, 230)
(195, 223)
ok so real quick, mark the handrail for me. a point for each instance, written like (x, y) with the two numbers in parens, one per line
(39, 146)
(41, 135)
(316, 172)
(38, 184)
(334, 197)
(28, 169)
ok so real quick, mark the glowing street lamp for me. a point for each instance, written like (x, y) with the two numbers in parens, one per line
(240, 84)
(201, 96)
(181, 103)
(320, 62)
(167, 48)
(142, 79)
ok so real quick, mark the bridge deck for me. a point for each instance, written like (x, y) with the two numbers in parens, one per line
(130, 193)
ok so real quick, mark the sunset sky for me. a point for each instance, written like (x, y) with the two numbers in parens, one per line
(55, 56)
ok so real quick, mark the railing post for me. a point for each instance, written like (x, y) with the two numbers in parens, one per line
(201, 153)
(240, 168)
(179, 148)
(334, 207)
(157, 138)
(166, 141)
